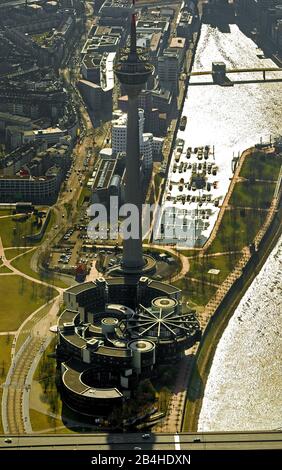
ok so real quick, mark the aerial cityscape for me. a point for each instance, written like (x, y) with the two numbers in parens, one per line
(140, 224)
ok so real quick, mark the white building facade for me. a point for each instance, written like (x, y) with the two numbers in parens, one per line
(148, 143)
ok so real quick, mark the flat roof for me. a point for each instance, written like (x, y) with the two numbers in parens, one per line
(67, 316)
(167, 288)
(92, 60)
(115, 352)
(107, 71)
(72, 380)
(103, 393)
(155, 40)
(104, 174)
(14, 117)
(77, 289)
(74, 339)
(177, 42)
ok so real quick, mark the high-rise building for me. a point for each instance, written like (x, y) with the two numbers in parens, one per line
(119, 138)
(168, 71)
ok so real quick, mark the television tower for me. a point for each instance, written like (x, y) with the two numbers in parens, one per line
(133, 71)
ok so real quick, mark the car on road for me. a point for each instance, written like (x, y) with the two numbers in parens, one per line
(8, 440)
(137, 448)
(146, 436)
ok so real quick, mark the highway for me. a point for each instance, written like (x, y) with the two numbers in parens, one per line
(165, 441)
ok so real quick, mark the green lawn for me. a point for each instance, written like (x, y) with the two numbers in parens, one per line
(41, 38)
(23, 264)
(195, 292)
(40, 421)
(189, 252)
(252, 194)
(19, 298)
(5, 212)
(85, 194)
(158, 180)
(5, 354)
(237, 230)
(13, 232)
(199, 267)
(13, 252)
(261, 166)
(4, 269)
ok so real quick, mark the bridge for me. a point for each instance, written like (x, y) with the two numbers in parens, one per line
(262, 70)
(154, 441)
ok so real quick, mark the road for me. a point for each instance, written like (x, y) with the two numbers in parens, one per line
(15, 401)
(183, 441)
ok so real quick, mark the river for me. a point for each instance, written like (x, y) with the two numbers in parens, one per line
(243, 390)
(228, 119)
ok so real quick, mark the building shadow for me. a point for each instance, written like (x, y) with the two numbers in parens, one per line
(222, 26)
(195, 390)
(219, 17)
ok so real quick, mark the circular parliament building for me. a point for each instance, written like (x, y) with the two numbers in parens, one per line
(113, 333)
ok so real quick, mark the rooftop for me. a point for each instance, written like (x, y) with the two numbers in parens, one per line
(177, 43)
(104, 174)
(72, 378)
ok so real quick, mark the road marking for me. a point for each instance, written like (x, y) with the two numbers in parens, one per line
(177, 442)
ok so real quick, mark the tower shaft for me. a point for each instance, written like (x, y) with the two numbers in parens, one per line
(133, 71)
(132, 248)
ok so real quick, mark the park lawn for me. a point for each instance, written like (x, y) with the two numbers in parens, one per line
(23, 264)
(5, 212)
(13, 233)
(195, 292)
(40, 38)
(11, 253)
(19, 298)
(40, 421)
(261, 166)
(4, 269)
(237, 230)
(189, 252)
(199, 267)
(252, 194)
(5, 354)
(158, 180)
